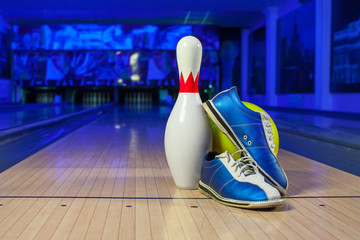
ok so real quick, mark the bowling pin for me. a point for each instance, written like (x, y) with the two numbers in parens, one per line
(98, 98)
(103, 98)
(188, 133)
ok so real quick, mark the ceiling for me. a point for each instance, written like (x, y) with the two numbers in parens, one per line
(226, 13)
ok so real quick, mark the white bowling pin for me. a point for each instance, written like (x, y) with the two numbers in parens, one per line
(188, 133)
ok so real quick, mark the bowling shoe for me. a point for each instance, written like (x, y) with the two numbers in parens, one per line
(237, 182)
(249, 131)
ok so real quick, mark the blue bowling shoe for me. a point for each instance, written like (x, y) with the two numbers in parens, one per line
(249, 131)
(236, 182)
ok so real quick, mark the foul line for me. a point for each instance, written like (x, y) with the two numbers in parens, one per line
(323, 197)
(126, 198)
(164, 198)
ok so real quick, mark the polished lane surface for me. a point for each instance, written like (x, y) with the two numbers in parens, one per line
(337, 128)
(109, 180)
(18, 115)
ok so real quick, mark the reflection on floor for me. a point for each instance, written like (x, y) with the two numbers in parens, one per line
(337, 128)
(109, 180)
(18, 115)
(29, 128)
(330, 138)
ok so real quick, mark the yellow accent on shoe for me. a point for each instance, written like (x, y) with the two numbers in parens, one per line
(222, 143)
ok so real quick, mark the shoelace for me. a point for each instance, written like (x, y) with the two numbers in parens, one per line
(269, 130)
(245, 164)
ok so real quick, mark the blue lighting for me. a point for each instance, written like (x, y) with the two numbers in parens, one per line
(109, 37)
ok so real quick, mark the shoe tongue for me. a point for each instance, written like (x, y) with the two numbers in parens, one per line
(247, 171)
(223, 155)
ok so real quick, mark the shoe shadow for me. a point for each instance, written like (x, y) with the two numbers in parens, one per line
(283, 208)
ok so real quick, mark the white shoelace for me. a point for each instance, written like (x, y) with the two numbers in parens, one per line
(245, 164)
(269, 130)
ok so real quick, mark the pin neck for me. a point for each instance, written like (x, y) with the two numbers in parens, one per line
(191, 85)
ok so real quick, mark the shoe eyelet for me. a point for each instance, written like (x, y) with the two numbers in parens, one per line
(249, 142)
(245, 137)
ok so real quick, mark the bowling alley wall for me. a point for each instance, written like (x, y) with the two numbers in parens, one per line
(5, 68)
(95, 59)
(303, 54)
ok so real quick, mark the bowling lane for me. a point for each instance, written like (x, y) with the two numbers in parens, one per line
(122, 138)
(330, 138)
(110, 179)
(13, 116)
(340, 129)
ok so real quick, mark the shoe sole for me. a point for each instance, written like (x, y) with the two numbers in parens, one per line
(224, 127)
(209, 192)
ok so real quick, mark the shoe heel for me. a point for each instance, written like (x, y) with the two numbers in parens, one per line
(204, 193)
(209, 109)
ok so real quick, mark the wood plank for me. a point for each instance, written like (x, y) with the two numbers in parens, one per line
(21, 224)
(112, 221)
(172, 222)
(102, 182)
(41, 218)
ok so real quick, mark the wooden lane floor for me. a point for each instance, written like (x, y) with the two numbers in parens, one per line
(110, 180)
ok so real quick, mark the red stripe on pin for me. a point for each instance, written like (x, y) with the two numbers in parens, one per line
(190, 86)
